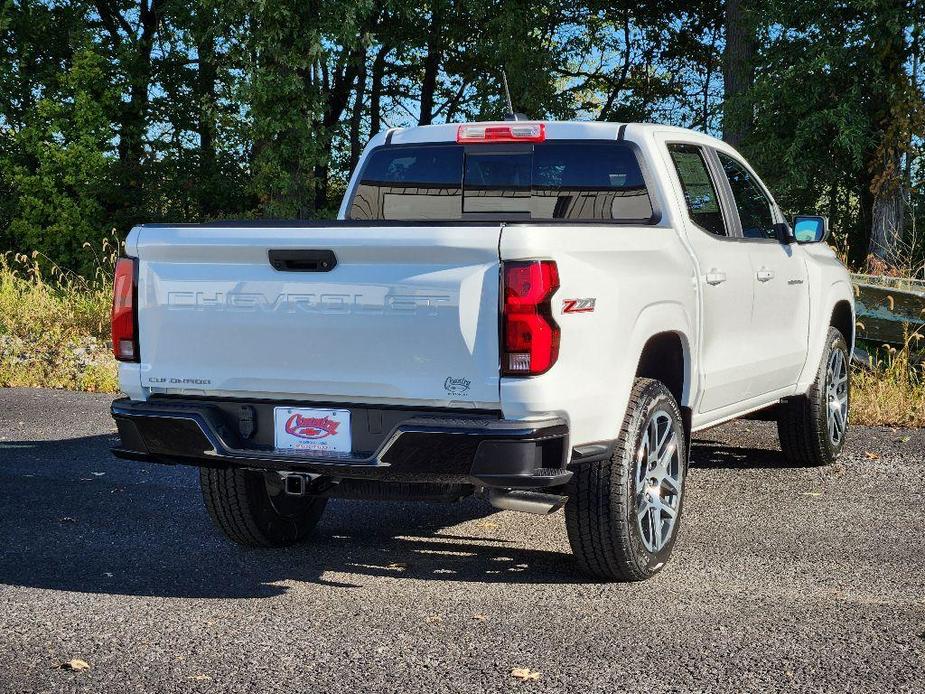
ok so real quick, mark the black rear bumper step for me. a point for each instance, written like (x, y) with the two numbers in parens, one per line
(438, 447)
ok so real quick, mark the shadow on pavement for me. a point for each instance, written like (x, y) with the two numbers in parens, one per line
(74, 518)
(715, 455)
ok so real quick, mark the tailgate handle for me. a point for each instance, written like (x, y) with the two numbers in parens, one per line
(297, 260)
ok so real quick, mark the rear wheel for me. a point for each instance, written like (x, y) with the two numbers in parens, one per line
(624, 512)
(812, 427)
(252, 508)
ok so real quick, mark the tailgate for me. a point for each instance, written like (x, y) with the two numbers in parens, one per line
(407, 314)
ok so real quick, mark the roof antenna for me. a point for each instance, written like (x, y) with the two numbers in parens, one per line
(509, 114)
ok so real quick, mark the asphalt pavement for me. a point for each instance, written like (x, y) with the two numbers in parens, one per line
(782, 579)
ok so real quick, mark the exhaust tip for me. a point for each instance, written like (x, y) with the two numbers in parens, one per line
(526, 501)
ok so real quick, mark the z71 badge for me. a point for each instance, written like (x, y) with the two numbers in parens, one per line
(578, 305)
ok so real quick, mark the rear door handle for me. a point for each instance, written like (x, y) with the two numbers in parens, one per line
(764, 275)
(715, 277)
(299, 260)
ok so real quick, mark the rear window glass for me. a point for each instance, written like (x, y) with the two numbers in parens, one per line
(699, 191)
(547, 181)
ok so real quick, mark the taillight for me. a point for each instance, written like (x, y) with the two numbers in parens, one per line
(530, 339)
(124, 318)
(501, 132)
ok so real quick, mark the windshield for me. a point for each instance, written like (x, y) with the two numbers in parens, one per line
(579, 181)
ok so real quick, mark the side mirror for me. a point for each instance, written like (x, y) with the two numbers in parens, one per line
(810, 228)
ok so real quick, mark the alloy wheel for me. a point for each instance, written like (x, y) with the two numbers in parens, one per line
(836, 395)
(658, 481)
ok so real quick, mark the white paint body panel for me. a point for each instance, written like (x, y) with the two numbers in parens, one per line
(598, 353)
(404, 310)
(407, 308)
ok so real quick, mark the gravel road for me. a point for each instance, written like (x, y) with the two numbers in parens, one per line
(783, 579)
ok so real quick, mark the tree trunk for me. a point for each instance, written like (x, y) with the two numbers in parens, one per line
(205, 87)
(861, 242)
(431, 65)
(375, 91)
(132, 130)
(614, 89)
(738, 70)
(707, 79)
(894, 101)
(356, 116)
(337, 87)
(916, 56)
(134, 113)
(887, 224)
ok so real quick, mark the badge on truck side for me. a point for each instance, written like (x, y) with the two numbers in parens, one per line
(585, 305)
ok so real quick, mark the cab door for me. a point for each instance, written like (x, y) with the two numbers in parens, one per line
(723, 279)
(777, 340)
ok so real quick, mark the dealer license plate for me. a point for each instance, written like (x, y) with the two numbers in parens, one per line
(300, 428)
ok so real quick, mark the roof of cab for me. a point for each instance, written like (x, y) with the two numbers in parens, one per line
(555, 130)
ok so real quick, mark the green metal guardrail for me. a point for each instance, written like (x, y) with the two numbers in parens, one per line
(888, 308)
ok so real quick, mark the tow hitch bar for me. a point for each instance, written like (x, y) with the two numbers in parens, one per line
(303, 483)
(294, 485)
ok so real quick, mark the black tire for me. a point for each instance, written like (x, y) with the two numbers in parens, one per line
(803, 421)
(604, 496)
(250, 508)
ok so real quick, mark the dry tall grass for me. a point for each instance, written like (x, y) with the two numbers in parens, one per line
(54, 325)
(892, 392)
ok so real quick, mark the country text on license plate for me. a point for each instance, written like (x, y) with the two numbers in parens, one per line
(300, 428)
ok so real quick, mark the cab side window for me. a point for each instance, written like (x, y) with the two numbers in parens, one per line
(756, 211)
(699, 191)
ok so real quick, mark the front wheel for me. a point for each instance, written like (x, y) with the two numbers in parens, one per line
(812, 427)
(252, 508)
(623, 513)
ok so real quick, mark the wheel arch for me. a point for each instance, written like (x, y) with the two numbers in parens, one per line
(663, 339)
(665, 357)
(835, 308)
(663, 330)
(842, 319)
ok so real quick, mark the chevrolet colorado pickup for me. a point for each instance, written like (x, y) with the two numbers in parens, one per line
(537, 312)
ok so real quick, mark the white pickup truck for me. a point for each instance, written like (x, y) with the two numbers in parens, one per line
(537, 312)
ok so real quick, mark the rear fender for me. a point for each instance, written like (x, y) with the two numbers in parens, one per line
(655, 319)
(820, 319)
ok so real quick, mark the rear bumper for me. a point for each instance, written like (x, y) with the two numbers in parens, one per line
(483, 450)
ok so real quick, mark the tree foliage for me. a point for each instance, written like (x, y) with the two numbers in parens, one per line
(838, 113)
(115, 112)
